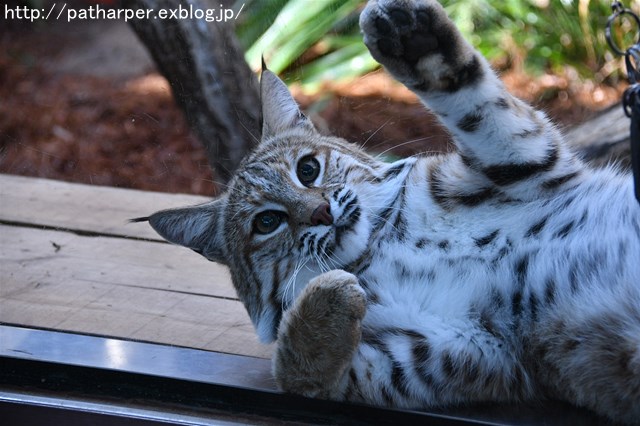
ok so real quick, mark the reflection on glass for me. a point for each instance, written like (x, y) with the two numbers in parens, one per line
(116, 354)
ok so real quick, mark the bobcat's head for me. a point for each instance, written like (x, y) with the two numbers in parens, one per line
(300, 204)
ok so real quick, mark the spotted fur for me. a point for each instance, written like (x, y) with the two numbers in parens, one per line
(505, 271)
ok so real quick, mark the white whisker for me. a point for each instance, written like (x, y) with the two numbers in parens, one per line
(402, 144)
(290, 285)
(374, 133)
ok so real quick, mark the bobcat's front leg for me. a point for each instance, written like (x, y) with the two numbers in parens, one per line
(319, 335)
(503, 141)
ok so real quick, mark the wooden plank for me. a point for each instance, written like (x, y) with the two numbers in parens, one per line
(122, 288)
(45, 256)
(89, 208)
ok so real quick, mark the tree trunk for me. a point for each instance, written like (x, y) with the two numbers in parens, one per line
(210, 80)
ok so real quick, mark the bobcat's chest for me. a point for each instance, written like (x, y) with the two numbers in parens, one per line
(449, 264)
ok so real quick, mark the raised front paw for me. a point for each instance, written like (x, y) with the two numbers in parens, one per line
(418, 44)
(319, 334)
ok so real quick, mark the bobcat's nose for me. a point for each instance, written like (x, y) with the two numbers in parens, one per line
(322, 215)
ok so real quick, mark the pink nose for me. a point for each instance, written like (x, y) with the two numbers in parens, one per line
(322, 215)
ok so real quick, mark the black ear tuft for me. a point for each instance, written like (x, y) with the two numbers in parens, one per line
(264, 64)
(139, 219)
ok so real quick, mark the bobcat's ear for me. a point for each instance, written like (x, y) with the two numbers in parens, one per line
(280, 111)
(198, 228)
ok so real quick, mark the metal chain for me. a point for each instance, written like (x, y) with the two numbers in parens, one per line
(631, 96)
(618, 11)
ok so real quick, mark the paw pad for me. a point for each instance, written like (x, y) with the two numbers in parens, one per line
(403, 33)
(419, 45)
(383, 26)
(400, 18)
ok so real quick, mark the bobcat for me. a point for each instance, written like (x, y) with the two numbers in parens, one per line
(506, 271)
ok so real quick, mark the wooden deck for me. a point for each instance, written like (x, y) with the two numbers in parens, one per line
(70, 261)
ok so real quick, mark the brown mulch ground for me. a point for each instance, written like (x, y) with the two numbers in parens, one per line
(127, 132)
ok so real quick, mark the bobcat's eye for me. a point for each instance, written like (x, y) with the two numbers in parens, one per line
(267, 221)
(308, 170)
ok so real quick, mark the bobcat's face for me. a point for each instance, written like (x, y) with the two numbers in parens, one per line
(297, 207)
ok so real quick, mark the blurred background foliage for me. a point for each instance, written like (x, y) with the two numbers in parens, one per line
(309, 41)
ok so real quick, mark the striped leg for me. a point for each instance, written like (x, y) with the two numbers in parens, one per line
(502, 140)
